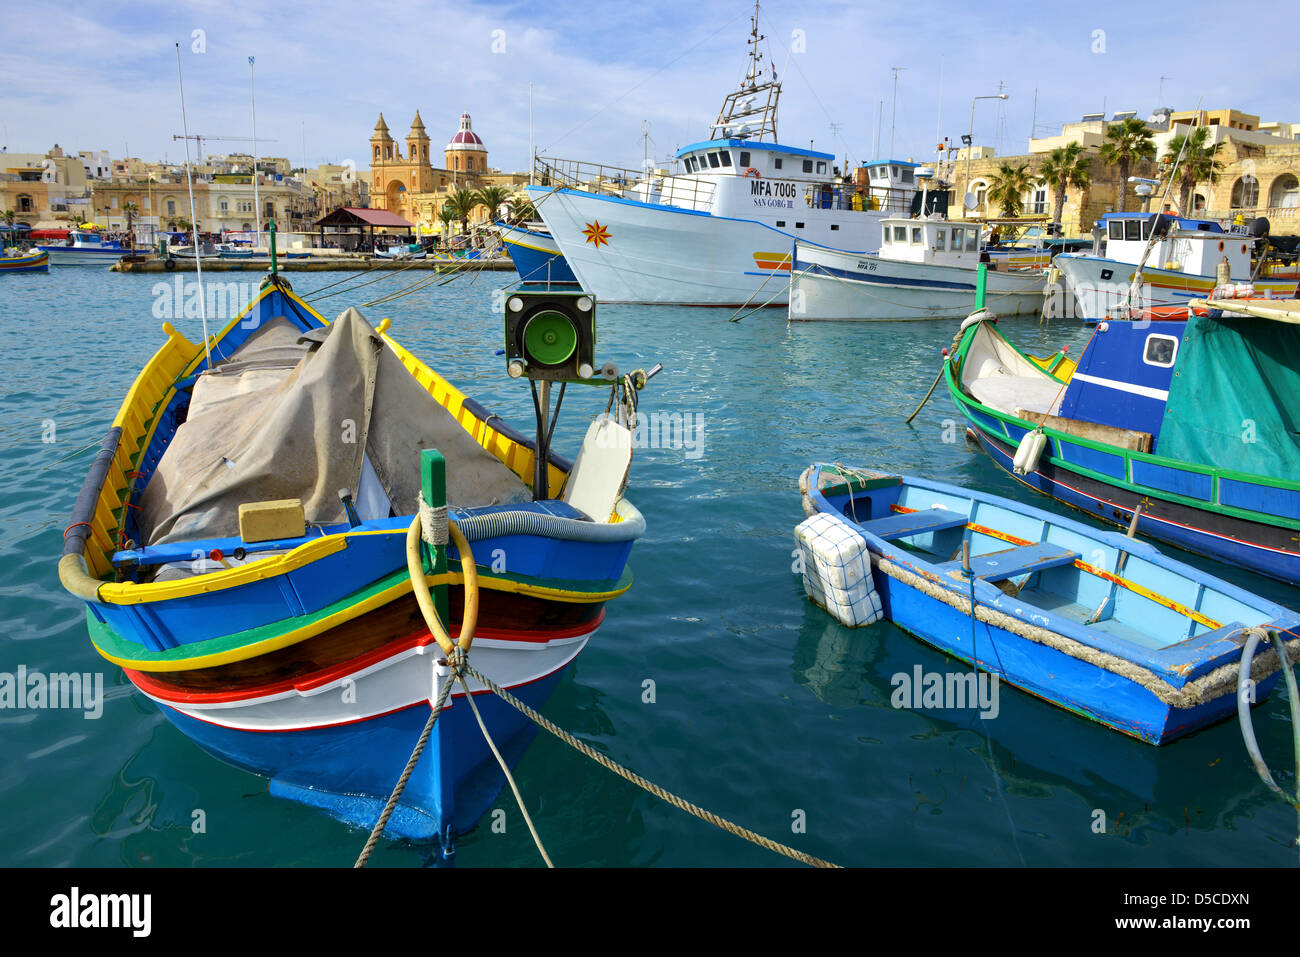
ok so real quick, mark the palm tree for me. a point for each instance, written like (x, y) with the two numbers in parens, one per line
(1008, 188)
(1126, 142)
(522, 209)
(493, 197)
(446, 217)
(1066, 166)
(130, 209)
(462, 203)
(1199, 162)
(9, 217)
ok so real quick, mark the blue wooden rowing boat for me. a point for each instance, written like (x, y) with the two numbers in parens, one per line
(1093, 621)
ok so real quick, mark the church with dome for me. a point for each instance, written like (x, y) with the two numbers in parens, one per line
(413, 188)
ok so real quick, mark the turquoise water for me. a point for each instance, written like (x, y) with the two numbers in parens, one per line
(766, 710)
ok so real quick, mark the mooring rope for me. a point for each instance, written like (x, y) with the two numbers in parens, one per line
(656, 790)
(505, 769)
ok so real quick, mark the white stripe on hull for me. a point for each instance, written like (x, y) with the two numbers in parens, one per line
(819, 296)
(407, 678)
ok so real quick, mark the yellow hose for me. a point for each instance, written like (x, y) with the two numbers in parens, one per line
(415, 566)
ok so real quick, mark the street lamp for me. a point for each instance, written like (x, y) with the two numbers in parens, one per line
(971, 138)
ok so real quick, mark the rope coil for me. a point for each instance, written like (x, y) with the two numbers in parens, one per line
(434, 523)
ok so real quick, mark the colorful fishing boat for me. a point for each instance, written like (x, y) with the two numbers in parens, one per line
(535, 253)
(1179, 259)
(1185, 415)
(32, 261)
(926, 269)
(1093, 621)
(248, 548)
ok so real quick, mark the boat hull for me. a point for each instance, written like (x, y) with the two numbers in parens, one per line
(1054, 676)
(65, 256)
(1095, 287)
(536, 256)
(836, 285)
(623, 251)
(39, 262)
(338, 741)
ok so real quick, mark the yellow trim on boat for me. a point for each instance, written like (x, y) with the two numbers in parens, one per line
(135, 593)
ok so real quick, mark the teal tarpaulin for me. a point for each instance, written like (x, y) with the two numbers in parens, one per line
(1235, 398)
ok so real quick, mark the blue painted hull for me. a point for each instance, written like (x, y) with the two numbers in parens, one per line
(1050, 674)
(349, 771)
(537, 257)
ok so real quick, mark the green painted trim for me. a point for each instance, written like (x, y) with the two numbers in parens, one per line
(960, 398)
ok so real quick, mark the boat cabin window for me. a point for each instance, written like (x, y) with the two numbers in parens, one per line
(1116, 229)
(725, 156)
(1132, 229)
(834, 226)
(916, 235)
(1160, 351)
(807, 166)
(713, 160)
(776, 163)
(940, 238)
(900, 234)
(972, 240)
(780, 223)
(821, 166)
(744, 157)
(907, 174)
(887, 235)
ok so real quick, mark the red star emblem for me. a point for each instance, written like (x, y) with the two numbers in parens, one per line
(597, 234)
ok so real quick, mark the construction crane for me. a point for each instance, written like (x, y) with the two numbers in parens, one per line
(199, 138)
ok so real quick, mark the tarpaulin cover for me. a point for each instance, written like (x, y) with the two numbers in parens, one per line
(294, 416)
(1233, 400)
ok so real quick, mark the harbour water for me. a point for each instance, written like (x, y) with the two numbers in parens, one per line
(758, 707)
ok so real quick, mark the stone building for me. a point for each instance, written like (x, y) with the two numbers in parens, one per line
(412, 187)
(1260, 174)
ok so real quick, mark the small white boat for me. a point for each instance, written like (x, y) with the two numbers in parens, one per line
(84, 248)
(1180, 265)
(926, 269)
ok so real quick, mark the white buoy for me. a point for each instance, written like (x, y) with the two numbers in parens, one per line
(1029, 452)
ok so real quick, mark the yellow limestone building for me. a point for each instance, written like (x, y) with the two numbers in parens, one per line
(413, 188)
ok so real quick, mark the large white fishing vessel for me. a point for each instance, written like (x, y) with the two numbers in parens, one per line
(720, 230)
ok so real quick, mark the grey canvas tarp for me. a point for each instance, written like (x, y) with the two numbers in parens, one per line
(293, 416)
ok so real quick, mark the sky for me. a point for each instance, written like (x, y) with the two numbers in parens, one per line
(104, 76)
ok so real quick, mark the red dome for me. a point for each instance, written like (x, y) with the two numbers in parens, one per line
(466, 138)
